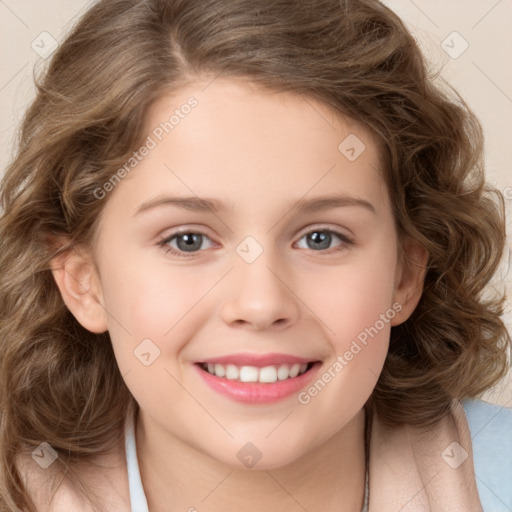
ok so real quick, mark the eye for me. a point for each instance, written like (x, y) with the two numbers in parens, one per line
(321, 239)
(184, 242)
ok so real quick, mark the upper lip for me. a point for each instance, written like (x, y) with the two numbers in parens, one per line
(258, 360)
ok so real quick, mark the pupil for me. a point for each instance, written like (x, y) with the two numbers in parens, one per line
(321, 238)
(189, 241)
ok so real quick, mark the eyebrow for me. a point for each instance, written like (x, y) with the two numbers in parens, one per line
(197, 204)
(193, 204)
(330, 202)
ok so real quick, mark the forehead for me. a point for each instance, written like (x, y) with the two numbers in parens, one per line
(235, 141)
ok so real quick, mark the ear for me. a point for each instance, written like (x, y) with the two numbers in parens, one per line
(409, 279)
(78, 280)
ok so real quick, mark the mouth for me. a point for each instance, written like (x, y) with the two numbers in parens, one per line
(265, 375)
(254, 379)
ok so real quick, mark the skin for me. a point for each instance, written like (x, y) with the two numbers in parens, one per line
(258, 153)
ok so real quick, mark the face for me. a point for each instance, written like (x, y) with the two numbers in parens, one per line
(281, 259)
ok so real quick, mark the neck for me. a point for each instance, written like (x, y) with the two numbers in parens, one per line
(178, 477)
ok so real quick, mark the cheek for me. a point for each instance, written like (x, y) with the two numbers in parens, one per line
(148, 300)
(353, 296)
(356, 309)
(153, 311)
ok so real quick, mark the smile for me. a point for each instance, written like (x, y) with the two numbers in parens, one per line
(254, 379)
(267, 374)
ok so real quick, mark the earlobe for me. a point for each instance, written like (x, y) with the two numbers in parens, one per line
(78, 281)
(410, 279)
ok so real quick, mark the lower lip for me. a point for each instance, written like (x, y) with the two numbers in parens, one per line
(257, 392)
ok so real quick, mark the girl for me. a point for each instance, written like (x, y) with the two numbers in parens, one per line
(244, 249)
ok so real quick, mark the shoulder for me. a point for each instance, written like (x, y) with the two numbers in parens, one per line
(490, 426)
(52, 491)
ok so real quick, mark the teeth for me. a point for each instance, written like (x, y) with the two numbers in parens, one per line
(219, 370)
(267, 374)
(232, 372)
(283, 372)
(294, 370)
(249, 374)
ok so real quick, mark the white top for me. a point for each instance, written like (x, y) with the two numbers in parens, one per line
(491, 434)
(138, 500)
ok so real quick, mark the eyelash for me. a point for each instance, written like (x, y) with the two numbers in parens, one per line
(346, 241)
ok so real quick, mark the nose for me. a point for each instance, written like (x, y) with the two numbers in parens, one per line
(261, 296)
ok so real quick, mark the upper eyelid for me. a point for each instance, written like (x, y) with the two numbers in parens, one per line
(319, 227)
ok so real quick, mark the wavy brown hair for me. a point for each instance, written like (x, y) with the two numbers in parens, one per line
(60, 383)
